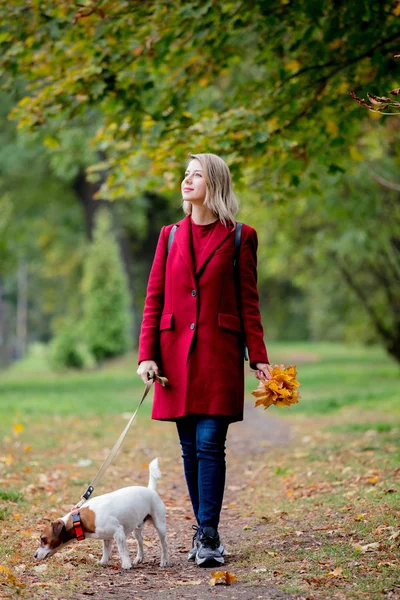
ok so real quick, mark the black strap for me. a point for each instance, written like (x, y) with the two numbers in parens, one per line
(238, 235)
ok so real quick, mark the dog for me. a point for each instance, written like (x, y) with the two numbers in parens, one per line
(111, 517)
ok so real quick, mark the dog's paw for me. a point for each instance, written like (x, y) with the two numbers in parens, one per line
(165, 563)
(138, 560)
(127, 565)
(102, 562)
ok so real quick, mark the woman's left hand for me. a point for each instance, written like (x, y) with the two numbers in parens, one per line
(263, 371)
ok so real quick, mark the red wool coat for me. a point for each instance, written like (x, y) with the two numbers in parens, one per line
(191, 324)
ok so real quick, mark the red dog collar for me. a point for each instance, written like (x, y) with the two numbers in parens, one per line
(76, 522)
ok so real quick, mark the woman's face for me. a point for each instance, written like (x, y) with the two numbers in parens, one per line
(193, 186)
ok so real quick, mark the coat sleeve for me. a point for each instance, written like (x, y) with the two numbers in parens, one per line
(249, 298)
(153, 306)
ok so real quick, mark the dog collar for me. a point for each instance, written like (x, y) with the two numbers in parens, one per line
(76, 522)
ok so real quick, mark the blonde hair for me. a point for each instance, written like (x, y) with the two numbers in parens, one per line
(220, 197)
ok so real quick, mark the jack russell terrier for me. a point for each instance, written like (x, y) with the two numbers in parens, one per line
(112, 516)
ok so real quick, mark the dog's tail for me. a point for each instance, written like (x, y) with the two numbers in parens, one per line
(155, 474)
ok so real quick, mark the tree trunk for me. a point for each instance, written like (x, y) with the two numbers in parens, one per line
(390, 335)
(5, 357)
(22, 309)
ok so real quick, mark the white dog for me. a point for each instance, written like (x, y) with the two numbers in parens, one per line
(112, 517)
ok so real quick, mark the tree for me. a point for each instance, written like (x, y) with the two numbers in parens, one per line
(258, 81)
(106, 316)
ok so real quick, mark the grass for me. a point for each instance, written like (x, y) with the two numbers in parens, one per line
(327, 495)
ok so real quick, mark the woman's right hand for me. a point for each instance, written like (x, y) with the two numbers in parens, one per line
(146, 366)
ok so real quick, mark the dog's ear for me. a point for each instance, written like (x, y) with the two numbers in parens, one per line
(58, 528)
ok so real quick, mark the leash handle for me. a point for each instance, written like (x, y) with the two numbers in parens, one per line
(152, 377)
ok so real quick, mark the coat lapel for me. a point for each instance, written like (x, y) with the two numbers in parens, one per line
(216, 239)
(183, 240)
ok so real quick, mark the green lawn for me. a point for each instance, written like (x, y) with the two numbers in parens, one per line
(331, 376)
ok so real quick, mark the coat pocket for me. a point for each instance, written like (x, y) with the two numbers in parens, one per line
(231, 322)
(167, 321)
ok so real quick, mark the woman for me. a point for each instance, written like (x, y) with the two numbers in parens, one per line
(192, 332)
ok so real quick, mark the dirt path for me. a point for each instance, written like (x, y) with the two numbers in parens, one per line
(239, 529)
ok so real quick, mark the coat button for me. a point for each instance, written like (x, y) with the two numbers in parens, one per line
(194, 293)
(192, 325)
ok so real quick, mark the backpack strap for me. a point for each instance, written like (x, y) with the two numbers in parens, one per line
(238, 236)
(171, 237)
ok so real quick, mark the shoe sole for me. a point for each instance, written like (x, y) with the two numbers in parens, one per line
(210, 562)
(192, 554)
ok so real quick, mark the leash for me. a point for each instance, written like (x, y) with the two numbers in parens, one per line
(152, 377)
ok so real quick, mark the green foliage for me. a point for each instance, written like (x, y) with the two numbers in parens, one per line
(263, 85)
(106, 319)
(69, 351)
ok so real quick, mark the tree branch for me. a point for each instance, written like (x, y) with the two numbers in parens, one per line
(380, 326)
(391, 185)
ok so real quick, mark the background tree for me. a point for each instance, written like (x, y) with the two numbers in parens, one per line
(106, 317)
(263, 84)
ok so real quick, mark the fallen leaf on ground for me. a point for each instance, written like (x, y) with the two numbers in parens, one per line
(222, 578)
(8, 577)
(367, 547)
(193, 582)
(337, 572)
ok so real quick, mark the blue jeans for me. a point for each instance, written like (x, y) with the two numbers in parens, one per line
(202, 439)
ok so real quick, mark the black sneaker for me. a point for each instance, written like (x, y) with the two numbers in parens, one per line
(209, 548)
(193, 550)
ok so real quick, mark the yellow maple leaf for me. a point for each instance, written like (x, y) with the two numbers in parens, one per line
(222, 578)
(280, 389)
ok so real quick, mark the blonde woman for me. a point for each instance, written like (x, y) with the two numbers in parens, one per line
(197, 313)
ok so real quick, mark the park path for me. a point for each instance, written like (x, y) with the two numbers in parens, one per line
(248, 442)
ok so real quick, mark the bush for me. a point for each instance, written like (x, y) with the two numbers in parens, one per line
(106, 313)
(69, 351)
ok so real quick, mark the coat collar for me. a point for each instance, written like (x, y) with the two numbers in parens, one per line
(183, 238)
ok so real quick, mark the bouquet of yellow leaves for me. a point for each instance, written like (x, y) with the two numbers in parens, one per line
(280, 390)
